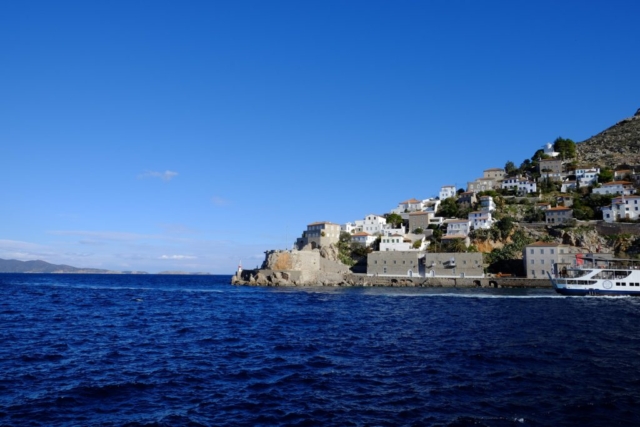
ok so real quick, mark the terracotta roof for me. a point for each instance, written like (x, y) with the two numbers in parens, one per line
(626, 197)
(362, 233)
(410, 201)
(321, 222)
(494, 169)
(455, 236)
(559, 208)
(418, 213)
(457, 221)
(448, 186)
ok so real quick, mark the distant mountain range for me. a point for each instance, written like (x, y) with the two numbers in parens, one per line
(15, 266)
(617, 145)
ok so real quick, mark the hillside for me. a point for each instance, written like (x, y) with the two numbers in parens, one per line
(15, 266)
(617, 145)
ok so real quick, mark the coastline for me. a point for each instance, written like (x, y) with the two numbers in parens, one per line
(289, 279)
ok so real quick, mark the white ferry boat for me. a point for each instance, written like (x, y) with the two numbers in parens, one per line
(598, 276)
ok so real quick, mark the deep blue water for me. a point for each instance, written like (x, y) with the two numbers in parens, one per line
(79, 350)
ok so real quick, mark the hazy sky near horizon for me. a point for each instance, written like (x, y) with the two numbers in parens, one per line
(165, 135)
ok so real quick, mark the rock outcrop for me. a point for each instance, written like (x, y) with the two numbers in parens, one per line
(617, 145)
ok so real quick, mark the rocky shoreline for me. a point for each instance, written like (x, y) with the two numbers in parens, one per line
(287, 279)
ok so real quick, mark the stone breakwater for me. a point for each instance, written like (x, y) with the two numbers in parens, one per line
(292, 279)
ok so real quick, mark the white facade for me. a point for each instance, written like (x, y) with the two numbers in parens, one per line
(548, 150)
(519, 184)
(374, 224)
(623, 207)
(480, 220)
(458, 227)
(364, 239)
(568, 186)
(395, 242)
(616, 187)
(447, 191)
(586, 177)
(487, 204)
(410, 205)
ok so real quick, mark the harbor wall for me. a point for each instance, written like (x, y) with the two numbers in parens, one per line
(297, 278)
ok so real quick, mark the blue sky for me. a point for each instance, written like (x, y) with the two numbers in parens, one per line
(165, 135)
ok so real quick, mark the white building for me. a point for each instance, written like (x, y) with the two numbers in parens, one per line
(541, 258)
(480, 220)
(447, 191)
(410, 205)
(587, 176)
(548, 150)
(364, 239)
(622, 207)
(395, 242)
(458, 227)
(374, 224)
(520, 184)
(616, 187)
(568, 186)
(486, 204)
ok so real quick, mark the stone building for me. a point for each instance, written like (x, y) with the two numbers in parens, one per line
(419, 220)
(558, 215)
(319, 234)
(540, 258)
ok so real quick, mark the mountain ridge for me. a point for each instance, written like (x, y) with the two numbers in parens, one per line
(614, 146)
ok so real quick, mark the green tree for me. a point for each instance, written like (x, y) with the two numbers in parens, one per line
(448, 208)
(394, 219)
(564, 146)
(504, 226)
(510, 168)
(418, 230)
(605, 175)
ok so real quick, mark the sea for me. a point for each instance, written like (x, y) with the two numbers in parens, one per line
(160, 350)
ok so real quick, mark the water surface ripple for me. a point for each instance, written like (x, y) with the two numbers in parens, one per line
(113, 350)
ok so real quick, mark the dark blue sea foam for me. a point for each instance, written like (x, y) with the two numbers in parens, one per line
(190, 350)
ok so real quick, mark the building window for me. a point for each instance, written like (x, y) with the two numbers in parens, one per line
(541, 251)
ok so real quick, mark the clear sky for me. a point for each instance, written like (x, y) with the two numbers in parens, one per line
(167, 135)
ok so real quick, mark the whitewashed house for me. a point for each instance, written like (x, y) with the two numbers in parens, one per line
(520, 184)
(587, 176)
(568, 186)
(363, 238)
(480, 220)
(616, 187)
(447, 191)
(622, 207)
(487, 204)
(410, 205)
(458, 227)
(374, 224)
(395, 242)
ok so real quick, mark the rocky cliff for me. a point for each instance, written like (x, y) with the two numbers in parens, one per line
(617, 145)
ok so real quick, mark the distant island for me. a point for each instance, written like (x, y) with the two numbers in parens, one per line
(39, 266)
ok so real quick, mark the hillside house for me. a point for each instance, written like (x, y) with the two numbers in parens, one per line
(364, 239)
(395, 242)
(495, 174)
(481, 184)
(467, 200)
(558, 215)
(410, 205)
(551, 169)
(520, 185)
(487, 204)
(447, 191)
(622, 207)
(419, 220)
(458, 227)
(587, 176)
(480, 220)
(616, 187)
